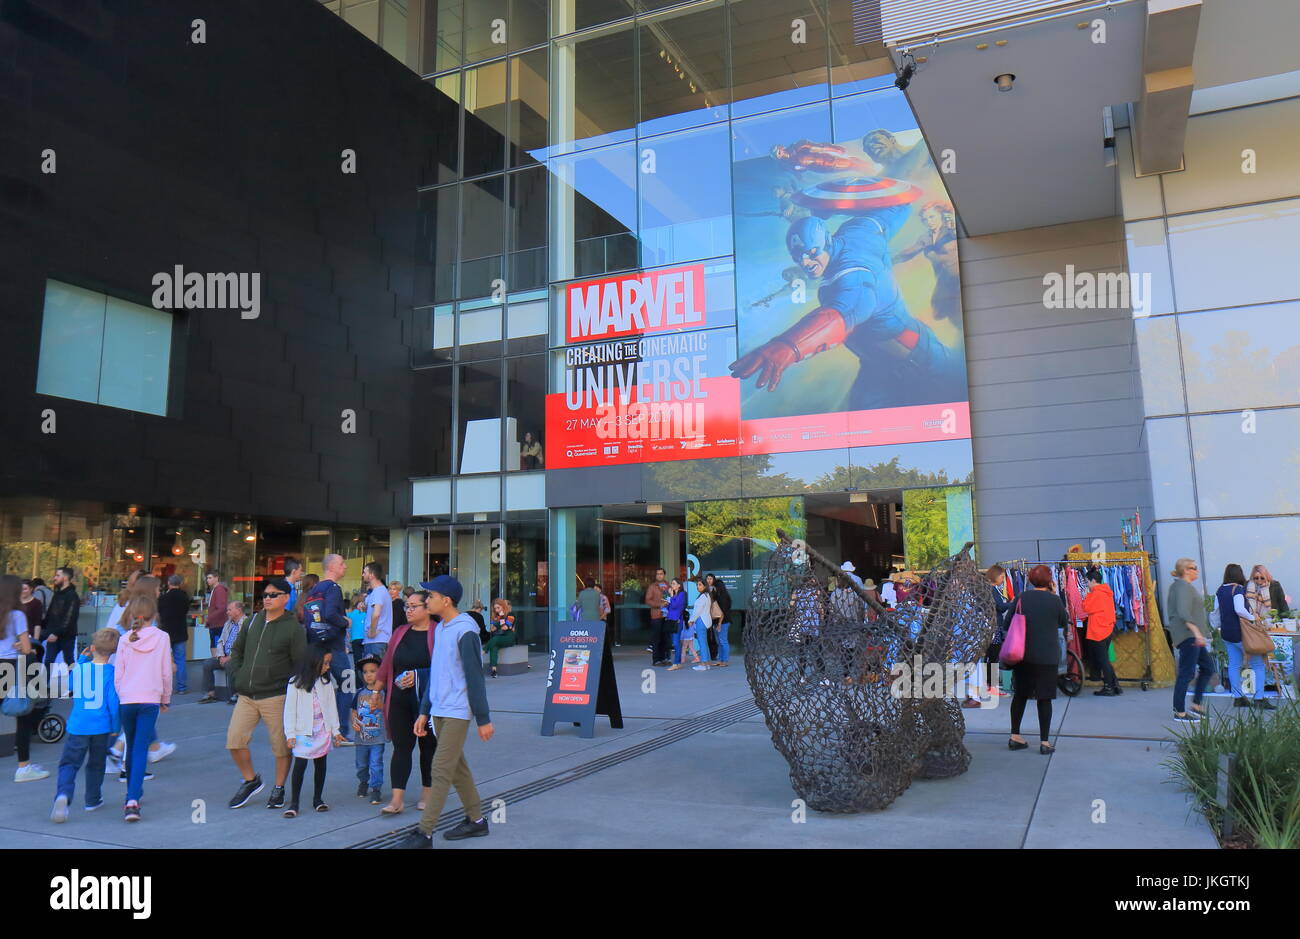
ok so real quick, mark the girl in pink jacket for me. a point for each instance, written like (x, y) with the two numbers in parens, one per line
(143, 677)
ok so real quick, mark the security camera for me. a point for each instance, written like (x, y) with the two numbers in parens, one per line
(905, 79)
(1004, 81)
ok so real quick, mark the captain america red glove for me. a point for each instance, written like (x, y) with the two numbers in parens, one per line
(820, 330)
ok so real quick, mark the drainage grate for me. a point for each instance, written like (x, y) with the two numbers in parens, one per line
(677, 730)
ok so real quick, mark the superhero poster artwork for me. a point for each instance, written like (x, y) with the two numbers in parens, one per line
(847, 285)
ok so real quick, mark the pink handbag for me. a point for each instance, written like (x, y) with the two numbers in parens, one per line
(1013, 647)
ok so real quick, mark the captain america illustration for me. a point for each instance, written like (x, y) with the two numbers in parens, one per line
(902, 361)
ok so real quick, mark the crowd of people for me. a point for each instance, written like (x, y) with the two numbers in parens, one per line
(418, 682)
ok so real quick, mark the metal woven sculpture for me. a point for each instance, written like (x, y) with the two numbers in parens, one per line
(819, 670)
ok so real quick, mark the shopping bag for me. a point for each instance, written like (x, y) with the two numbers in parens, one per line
(1013, 646)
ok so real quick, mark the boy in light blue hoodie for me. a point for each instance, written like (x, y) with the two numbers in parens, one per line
(93, 724)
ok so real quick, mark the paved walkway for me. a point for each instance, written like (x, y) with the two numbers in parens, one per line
(694, 767)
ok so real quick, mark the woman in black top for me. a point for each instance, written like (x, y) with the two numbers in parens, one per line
(722, 597)
(1035, 676)
(404, 675)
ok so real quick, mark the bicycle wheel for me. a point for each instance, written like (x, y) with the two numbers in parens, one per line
(1071, 682)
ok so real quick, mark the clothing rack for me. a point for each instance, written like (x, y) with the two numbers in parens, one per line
(1153, 628)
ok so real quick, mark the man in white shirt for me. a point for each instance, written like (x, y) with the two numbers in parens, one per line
(887, 592)
(379, 612)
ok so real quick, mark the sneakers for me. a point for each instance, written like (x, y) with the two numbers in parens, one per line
(1104, 693)
(164, 750)
(362, 790)
(468, 829)
(30, 773)
(97, 805)
(277, 798)
(1187, 718)
(416, 840)
(1240, 703)
(375, 797)
(132, 812)
(1264, 704)
(247, 789)
(699, 668)
(121, 776)
(59, 814)
(320, 806)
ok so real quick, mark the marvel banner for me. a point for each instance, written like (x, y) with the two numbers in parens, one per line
(844, 296)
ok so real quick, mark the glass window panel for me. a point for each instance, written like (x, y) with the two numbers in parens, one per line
(443, 34)
(431, 497)
(580, 14)
(1243, 358)
(775, 64)
(686, 196)
(1148, 259)
(600, 188)
(480, 332)
(600, 95)
(854, 67)
(529, 108)
(527, 23)
(393, 25)
(683, 58)
(1171, 469)
(485, 29)
(479, 402)
(1246, 464)
(364, 18)
(435, 247)
(1204, 242)
(446, 131)
(485, 119)
(484, 203)
(528, 214)
(431, 422)
(482, 494)
(137, 357)
(525, 412)
(932, 463)
(1162, 377)
(527, 319)
(444, 329)
(72, 337)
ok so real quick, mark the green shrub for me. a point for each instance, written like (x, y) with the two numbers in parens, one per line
(1266, 784)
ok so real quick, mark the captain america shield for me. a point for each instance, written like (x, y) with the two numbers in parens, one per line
(857, 195)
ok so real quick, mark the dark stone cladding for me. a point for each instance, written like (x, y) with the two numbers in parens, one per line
(223, 156)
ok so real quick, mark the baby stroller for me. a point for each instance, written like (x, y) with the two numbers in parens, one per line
(1070, 669)
(50, 727)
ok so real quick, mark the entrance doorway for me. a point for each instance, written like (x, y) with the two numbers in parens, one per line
(865, 528)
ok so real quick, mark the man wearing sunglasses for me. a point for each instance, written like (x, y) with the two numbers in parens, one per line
(262, 662)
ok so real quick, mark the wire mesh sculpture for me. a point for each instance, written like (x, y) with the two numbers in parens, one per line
(820, 671)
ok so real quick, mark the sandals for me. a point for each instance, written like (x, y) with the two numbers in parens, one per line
(389, 810)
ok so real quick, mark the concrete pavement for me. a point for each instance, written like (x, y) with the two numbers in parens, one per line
(693, 767)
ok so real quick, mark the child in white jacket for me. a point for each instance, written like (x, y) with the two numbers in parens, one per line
(311, 723)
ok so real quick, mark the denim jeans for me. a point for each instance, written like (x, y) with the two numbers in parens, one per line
(1192, 660)
(1236, 658)
(724, 647)
(370, 764)
(372, 650)
(178, 658)
(76, 748)
(66, 645)
(138, 722)
(339, 663)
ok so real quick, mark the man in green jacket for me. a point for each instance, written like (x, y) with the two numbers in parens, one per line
(261, 664)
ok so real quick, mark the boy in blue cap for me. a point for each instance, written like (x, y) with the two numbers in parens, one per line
(456, 691)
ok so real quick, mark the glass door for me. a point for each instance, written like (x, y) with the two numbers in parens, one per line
(478, 562)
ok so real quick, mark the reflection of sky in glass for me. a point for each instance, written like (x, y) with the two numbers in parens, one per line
(935, 456)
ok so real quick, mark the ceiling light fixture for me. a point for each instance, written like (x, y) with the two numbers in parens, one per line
(1004, 81)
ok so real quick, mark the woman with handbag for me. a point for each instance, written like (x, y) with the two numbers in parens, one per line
(1032, 648)
(15, 646)
(1245, 638)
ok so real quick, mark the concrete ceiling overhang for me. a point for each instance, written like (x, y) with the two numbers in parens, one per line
(1034, 155)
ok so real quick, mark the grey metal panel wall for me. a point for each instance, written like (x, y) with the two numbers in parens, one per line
(1056, 407)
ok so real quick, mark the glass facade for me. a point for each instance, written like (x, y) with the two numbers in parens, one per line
(104, 543)
(634, 137)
